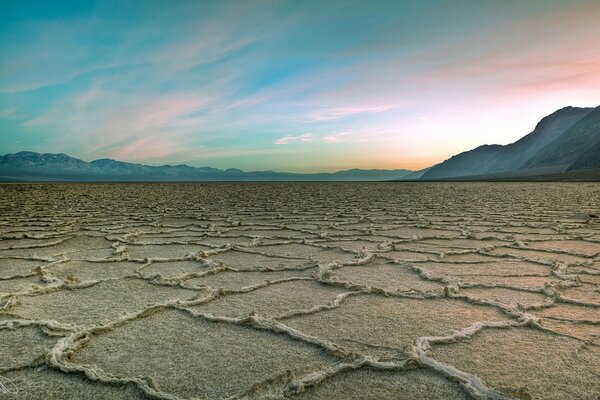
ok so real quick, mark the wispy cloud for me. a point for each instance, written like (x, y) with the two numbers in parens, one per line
(146, 148)
(224, 80)
(8, 113)
(336, 137)
(164, 111)
(327, 114)
(306, 137)
(349, 136)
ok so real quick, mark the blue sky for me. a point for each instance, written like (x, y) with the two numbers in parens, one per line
(289, 85)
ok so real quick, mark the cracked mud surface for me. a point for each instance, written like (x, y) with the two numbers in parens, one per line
(309, 291)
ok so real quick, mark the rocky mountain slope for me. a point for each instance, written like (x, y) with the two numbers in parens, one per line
(578, 147)
(541, 148)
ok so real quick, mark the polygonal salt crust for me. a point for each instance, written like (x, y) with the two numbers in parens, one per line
(548, 366)
(506, 296)
(81, 244)
(591, 267)
(274, 300)
(357, 225)
(86, 270)
(231, 280)
(444, 218)
(99, 303)
(388, 276)
(193, 233)
(269, 233)
(331, 220)
(464, 243)
(587, 293)
(490, 235)
(165, 240)
(539, 255)
(225, 240)
(527, 230)
(408, 232)
(248, 261)
(587, 230)
(353, 245)
(373, 384)
(169, 269)
(17, 285)
(384, 325)
(532, 282)
(595, 264)
(305, 251)
(8, 244)
(372, 237)
(16, 266)
(170, 251)
(42, 383)
(582, 330)
(538, 237)
(257, 243)
(15, 227)
(340, 232)
(591, 279)
(192, 357)
(118, 230)
(407, 256)
(22, 346)
(436, 218)
(467, 258)
(573, 312)
(576, 246)
(497, 268)
(181, 222)
(76, 248)
(420, 247)
(301, 225)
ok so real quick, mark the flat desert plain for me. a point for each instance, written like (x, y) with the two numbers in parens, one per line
(301, 290)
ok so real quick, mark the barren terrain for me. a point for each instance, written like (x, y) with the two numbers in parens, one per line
(304, 290)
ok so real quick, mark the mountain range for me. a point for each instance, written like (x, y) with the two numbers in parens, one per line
(30, 166)
(565, 141)
(565, 145)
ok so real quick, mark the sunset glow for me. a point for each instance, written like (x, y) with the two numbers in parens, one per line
(289, 85)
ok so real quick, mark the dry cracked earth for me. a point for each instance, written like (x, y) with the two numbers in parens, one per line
(308, 291)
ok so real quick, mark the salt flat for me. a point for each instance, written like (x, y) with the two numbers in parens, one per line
(307, 290)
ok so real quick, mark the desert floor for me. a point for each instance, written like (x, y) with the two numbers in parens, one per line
(301, 290)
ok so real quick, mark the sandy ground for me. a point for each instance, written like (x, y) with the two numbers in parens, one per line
(314, 291)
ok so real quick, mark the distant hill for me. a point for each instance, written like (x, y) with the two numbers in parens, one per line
(565, 145)
(30, 166)
(567, 139)
(415, 175)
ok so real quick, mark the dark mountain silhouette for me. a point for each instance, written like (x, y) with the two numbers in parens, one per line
(577, 148)
(494, 159)
(565, 145)
(413, 176)
(588, 160)
(30, 166)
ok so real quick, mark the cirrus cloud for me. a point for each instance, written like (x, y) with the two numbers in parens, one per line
(306, 137)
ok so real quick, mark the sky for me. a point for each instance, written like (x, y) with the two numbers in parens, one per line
(300, 86)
